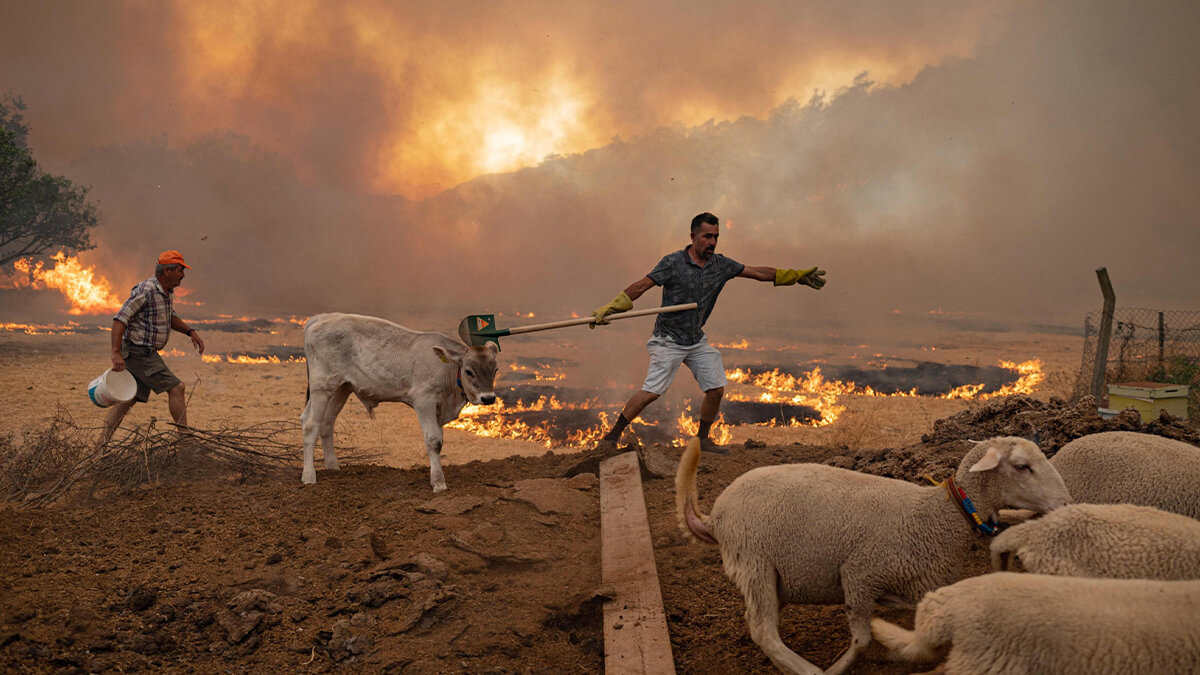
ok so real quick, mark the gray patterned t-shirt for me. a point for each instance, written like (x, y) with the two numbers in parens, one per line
(685, 281)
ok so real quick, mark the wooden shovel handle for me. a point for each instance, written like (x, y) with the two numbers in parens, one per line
(623, 315)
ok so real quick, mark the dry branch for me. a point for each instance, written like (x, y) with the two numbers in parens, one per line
(46, 464)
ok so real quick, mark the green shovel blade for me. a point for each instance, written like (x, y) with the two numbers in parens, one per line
(479, 329)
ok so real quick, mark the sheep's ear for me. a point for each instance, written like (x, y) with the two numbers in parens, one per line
(989, 461)
(446, 356)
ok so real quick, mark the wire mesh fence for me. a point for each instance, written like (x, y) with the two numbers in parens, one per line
(1146, 345)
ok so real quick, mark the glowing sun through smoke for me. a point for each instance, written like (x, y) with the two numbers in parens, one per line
(499, 126)
(412, 99)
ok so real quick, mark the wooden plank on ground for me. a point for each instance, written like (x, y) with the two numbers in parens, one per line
(635, 627)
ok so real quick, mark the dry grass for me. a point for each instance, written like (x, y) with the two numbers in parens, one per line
(47, 464)
(858, 431)
(1059, 383)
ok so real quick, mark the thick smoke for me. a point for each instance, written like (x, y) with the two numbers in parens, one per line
(986, 186)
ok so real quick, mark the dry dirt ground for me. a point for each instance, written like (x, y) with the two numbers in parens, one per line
(367, 570)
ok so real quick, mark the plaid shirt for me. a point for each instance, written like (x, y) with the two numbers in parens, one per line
(685, 281)
(147, 315)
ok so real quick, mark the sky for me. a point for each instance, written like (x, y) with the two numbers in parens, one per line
(974, 161)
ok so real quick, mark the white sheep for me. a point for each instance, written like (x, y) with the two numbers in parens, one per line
(1126, 467)
(1118, 541)
(815, 534)
(1006, 623)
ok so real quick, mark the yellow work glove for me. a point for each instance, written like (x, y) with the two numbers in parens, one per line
(812, 276)
(621, 303)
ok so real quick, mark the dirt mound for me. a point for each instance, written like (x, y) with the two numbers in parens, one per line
(1050, 424)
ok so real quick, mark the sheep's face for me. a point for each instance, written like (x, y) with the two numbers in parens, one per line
(1023, 475)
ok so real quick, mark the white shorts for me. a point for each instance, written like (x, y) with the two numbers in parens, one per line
(665, 356)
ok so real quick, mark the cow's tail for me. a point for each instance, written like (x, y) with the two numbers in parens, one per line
(307, 384)
(691, 521)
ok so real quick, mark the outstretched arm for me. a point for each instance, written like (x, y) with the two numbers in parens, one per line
(758, 273)
(812, 277)
(638, 287)
(623, 302)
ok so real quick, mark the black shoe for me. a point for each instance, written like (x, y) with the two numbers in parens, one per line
(708, 445)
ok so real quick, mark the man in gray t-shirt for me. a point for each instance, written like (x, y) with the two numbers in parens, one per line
(695, 274)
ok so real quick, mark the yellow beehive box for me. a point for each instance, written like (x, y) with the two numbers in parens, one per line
(1149, 398)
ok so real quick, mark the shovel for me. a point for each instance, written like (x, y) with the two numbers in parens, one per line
(479, 329)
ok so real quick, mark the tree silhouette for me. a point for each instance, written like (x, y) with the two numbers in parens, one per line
(39, 211)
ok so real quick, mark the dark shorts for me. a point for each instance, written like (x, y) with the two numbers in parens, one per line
(148, 369)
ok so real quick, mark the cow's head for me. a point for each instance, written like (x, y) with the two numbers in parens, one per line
(476, 371)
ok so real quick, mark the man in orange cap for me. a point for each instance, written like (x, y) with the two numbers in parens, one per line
(140, 329)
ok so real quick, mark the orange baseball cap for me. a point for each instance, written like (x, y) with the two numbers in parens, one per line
(172, 258)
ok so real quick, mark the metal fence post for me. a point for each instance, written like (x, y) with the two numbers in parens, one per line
(1162, 334)
(1110, 303)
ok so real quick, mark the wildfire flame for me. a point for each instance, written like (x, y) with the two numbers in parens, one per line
(242, 359)
(490, 421)
(69, 328)
(689, 425)
(87, 292)
(538, 374)
(810, 389)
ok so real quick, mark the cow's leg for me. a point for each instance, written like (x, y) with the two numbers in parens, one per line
(432, 431)
(310, 426)
(332, 409)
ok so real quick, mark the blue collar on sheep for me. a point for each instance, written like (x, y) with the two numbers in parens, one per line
(967, 508)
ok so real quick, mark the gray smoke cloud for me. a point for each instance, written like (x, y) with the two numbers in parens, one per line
(1035, 144)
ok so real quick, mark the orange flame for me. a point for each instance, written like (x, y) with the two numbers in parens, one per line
(490, 422)
(810, 389)
(43, 328)
(689, 425)
(244, 359)
(87, 292)
(1031, 377)
(538, 375)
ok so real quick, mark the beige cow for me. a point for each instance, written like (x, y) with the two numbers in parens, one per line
(378, 361)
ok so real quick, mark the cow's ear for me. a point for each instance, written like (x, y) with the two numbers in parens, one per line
(494, 346)
(446, 356)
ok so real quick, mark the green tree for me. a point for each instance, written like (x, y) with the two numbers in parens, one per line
(38, 211)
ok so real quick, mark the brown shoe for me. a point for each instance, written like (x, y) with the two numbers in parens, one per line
(708, 445)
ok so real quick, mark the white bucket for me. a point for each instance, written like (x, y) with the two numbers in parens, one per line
(113, 386)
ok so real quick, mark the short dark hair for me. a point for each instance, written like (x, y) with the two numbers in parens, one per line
(705, 218)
